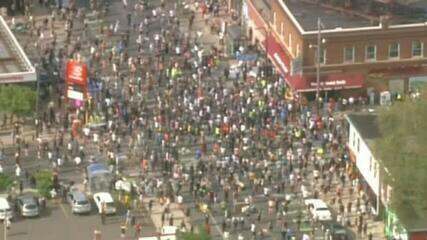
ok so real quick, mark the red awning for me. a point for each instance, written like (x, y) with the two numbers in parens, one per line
(278, 55)
(327, 82)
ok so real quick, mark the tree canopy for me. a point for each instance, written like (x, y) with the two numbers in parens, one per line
(19, 100)
(403, 153)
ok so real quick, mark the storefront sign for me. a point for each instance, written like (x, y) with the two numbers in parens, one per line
(76, 73)
(278, 55)
(333, 83)
(328, 82)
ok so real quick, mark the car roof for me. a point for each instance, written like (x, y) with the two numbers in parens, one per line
(317, 203)
(78, 196)
(27, 199)
(104, 196)
(3, 202)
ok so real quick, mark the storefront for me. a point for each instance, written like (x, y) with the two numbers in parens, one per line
(330, 82)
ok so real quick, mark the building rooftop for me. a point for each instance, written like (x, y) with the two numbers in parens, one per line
(366, 124)
(307, 14)
(14, 63)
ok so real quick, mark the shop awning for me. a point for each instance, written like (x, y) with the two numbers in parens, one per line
(328, 82)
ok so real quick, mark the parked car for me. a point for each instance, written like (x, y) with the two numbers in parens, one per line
(104, 198)
(27, 206)
(318, 209)
(79, 202)
(337, 231)
(5, 209)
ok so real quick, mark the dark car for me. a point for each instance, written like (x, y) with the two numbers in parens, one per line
(337, 231)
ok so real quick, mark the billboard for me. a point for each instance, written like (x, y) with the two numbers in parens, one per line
(76, 73)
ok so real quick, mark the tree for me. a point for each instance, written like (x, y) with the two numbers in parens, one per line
(44, 180)
(18, 100)
(403, 154)
(5, 182)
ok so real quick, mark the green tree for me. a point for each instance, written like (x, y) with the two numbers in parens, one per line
(44, 180)
(5, 182)
(201, 235)
(18, 100)
(403, 153)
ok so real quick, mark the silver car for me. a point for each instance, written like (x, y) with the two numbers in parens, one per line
(28, 206)
(79, 202)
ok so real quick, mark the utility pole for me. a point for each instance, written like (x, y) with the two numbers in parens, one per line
(319, 51)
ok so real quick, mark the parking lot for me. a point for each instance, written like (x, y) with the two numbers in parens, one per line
(57, 222)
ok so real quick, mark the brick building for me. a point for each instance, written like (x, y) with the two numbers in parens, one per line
(359, 53)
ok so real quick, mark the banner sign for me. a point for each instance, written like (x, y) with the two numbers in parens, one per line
(76, 73)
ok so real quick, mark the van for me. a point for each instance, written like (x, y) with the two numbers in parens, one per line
(5, 209)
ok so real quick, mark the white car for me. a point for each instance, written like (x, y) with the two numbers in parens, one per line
(102, 198)
(5, 209)
(318, 209)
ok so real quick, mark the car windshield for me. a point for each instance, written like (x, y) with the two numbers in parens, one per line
(82, 202)
(30, 206)
(110, 204)
(322, 209)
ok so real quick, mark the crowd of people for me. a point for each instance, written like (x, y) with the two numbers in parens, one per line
(170, 99)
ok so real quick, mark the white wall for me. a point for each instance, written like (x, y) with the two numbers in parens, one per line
(365, 162)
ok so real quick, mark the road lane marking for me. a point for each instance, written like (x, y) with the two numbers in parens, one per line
(63, 210)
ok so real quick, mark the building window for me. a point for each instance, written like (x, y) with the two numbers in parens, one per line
(375, 169)
(282, 29)
(394, 50)
(322, 56)
(417, 48)
(370, 164)
(349, 54)
(371, 53)
(274, 20)
(358, 145)
(354, 139)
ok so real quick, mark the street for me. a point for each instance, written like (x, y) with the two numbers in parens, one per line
(177, 127)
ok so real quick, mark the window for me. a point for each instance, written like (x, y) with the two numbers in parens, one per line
(394, 50)
(274, 20)
(322, 56)
(354, 139)
(349, 54)
(375, 170)
(417, 48)
(371, 53)
(281, 29)
(298, 50)
(370, 164)
(358, 145)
